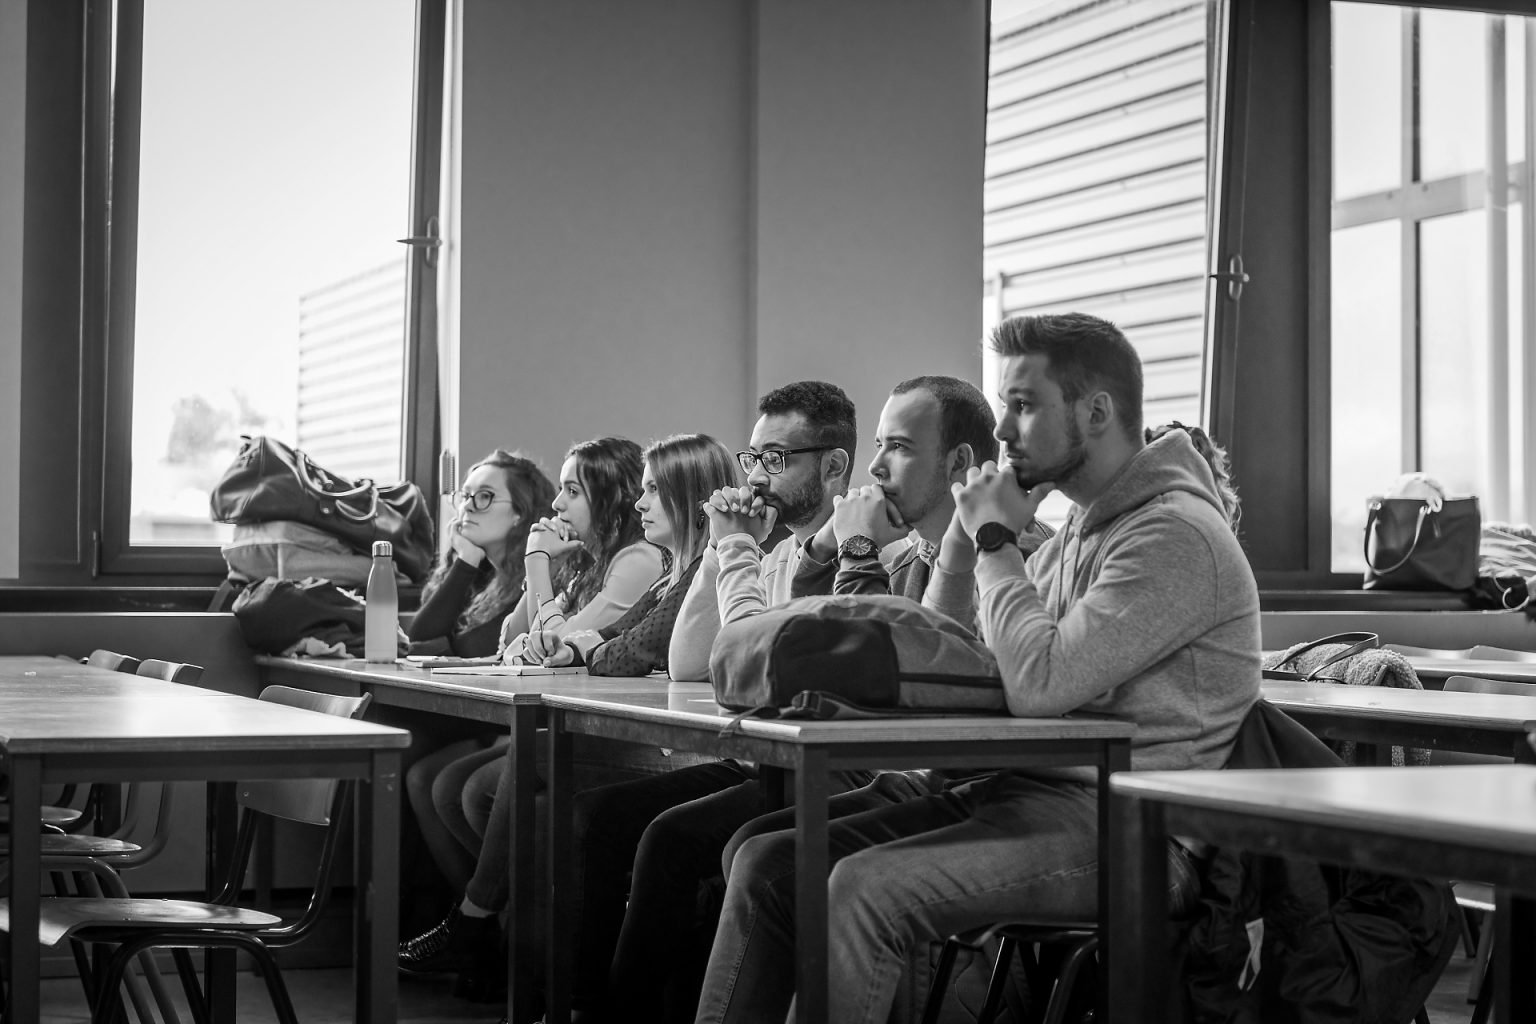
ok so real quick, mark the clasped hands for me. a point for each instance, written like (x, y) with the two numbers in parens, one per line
(862, 512)
(732, 510)
(990, 494)
(552, 536)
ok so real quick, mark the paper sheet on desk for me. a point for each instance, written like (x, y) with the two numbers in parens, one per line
(506, 670)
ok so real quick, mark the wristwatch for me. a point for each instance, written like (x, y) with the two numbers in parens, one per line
(857, 546)
(993, 536)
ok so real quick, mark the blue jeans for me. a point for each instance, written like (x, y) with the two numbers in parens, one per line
(1008, 846)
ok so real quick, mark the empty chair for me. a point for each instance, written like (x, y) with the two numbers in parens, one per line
(1477, 684)
(170, 671)
(101, 658)
(134, 926)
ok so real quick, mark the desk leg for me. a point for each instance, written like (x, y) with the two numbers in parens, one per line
(219, 964)
(811, 886)
(1116, 758)
(559, 807)
(1138, 911)
(26, 880)
(376, 915)
(1514, 946)
(523, 947)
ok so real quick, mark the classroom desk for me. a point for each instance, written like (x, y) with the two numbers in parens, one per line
(64, 722)
(1471, 821)
(1442, 668)
(1473, 723)
(514, 702)
(685, 716)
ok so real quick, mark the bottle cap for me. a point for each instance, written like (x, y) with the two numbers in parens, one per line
(383, 547)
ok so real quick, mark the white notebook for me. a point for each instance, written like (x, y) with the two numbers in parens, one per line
(507, 670)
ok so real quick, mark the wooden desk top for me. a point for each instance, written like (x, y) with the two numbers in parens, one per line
(1442, 668)
(1480, 709)
(47, 705)
(1492, 806)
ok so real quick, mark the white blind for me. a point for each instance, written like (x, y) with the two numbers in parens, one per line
(1095, 176)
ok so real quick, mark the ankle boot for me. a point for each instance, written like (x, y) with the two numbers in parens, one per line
(456, 943)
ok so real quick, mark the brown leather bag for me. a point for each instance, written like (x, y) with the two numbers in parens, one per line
(271, 482)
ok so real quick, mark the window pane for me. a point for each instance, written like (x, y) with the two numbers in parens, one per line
(1095, 177)
(1453, 92)
(270, 290)
(1453, 349)
(1367, 98)
(1367, 367)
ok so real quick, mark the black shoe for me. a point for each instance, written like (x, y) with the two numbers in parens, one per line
(456, 943)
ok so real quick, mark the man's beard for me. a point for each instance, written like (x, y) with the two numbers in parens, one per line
(1063, 468)
(799, 507)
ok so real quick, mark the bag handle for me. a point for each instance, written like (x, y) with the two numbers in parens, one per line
(1418, 528)
(304, 469)
(1356, 642)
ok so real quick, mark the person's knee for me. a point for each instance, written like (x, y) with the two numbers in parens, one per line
(762, 863)
(864, 887)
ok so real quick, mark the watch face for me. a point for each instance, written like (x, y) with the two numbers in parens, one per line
(992, 536)
(857, 547)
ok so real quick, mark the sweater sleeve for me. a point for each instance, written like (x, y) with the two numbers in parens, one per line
(698, 620)
(440, 611)
(632, 572)
(641, 646)
(1128, 619)
(740, 590)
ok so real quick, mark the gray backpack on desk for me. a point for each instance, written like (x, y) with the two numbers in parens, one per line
(853, 656)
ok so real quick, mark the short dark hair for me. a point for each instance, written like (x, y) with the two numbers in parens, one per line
(965, 417)
(1083, 354)
(827, 410)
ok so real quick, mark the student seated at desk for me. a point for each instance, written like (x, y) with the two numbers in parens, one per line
(478, 581)
(583, 568)
(1143, 608)
(679, 473)
(881, 538)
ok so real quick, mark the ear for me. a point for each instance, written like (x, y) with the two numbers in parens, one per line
(835, 467)
(1101, 412)
(961, 458)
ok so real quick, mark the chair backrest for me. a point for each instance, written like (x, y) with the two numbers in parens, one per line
(1474, 684)
(170, 671)
(101, 658)
(306, 800)
(1482, 652)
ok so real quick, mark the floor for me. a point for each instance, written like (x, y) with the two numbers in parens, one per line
(325, 997)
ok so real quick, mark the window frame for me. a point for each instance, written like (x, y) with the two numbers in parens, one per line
(113, 62)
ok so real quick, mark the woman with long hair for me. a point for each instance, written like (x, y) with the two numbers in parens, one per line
(680, 473)
(581, 568)
(478, 580)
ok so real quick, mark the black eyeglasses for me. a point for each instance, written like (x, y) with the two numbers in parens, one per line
(773, 458)
(478, 500)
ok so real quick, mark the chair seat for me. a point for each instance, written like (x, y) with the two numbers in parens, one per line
(55, 845)
(62, 917)
(1474, 895)
(56, 816)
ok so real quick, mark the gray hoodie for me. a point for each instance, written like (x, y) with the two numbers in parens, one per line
(1143, 607)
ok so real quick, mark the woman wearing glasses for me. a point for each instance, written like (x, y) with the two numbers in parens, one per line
(680, 472)
(479, 579)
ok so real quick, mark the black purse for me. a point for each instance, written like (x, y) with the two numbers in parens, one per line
(271, 482)
(1412, 545)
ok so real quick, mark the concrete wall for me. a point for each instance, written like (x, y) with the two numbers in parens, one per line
(670, 206)
(13, 130)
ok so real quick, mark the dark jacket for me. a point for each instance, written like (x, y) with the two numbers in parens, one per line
(1339, 944)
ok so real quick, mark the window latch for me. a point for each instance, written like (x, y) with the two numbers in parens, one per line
(1235, 278)
(429, 242)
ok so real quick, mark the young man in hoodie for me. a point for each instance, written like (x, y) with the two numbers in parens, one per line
(1143, 608)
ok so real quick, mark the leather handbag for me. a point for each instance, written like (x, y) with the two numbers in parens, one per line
(1422, 543)
(271, 482)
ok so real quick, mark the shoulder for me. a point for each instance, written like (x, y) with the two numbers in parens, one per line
(639, 557)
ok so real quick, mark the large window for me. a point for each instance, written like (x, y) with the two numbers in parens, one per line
(261, 174)
(1095, 191)
(1433, 357)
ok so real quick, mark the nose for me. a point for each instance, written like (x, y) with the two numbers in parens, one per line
(877, 466)
(1004, 431)
(559, 503)
(641, 504)
(758, 478)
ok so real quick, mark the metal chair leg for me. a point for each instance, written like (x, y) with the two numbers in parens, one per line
(998, 981)
(939, 983)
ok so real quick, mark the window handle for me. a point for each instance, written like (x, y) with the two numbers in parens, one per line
(1235, 278)
(429, 241)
